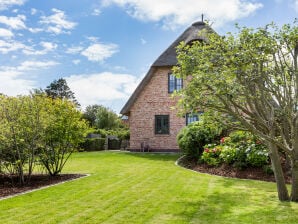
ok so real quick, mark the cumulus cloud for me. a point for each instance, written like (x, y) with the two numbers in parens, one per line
(5, 33)
(7, 46)
(46, 48)
(5, 4)
(57, 23)
(99, 52)
(184, 12)
(12, 77)
(74, 50)
(102, 88)
(16, 23)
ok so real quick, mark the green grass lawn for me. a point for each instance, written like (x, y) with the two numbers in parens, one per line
(147, 188)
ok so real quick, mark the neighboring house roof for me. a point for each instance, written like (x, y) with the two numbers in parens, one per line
(168, 58)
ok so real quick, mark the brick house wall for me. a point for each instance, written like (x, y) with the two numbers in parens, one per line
(154, 100)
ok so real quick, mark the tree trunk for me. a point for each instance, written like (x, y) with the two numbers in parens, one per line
(294, 190)
(283, 194)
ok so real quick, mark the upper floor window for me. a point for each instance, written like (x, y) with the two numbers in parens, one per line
(162, 124)
(174, 83)
(192, 117)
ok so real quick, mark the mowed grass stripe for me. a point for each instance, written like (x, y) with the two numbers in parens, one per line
(147, 188)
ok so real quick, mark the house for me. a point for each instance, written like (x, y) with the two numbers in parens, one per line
(153, 124)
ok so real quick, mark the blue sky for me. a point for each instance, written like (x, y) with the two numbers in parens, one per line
(104, 48)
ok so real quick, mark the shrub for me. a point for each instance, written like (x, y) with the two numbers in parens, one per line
(93, 144)
(211, 155)
(193, 137)
(257, 157)
(228, 154)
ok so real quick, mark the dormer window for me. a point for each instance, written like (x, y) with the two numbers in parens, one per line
(174, 83)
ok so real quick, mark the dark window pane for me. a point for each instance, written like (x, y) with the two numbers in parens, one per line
(162, 124)
(192, 118)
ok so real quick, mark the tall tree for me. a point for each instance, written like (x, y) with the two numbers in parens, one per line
(90, 113)
(60, 89)
(253, 77)
(106, 119)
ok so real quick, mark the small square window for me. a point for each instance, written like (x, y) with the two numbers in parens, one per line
(162, 124)
(174, 83)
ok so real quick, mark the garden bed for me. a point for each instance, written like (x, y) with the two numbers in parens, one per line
(37, 181)
(255, 173)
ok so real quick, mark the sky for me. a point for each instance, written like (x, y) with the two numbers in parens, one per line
(103, 48)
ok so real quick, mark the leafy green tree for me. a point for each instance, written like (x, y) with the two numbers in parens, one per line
(90, 113)
(20, 134)
(63, 131)
(60, 89)
(251, 76)
(106, 119)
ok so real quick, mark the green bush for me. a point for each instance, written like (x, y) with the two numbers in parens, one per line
(228, 154)
(192, 138)
(256, 156)
(211, 155)
(93, 144)
(240, 149)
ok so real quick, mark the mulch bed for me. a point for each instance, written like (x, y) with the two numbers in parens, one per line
(229, 171)
(9, 187)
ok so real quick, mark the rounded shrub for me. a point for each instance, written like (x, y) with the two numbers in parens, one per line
(192, 138)
(228, 154)
(211, 155)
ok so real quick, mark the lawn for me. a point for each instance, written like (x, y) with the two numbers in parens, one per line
(147, 188)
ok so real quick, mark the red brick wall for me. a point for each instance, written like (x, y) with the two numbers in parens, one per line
(154, 100)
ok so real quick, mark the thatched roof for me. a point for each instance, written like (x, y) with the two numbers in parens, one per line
(168, 58)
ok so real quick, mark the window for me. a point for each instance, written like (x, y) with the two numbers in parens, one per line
(192, 117)
(174, 83)
(162, 124)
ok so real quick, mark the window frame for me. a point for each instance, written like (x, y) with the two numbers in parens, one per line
(197, 115)
(178, 82)
(162, 119)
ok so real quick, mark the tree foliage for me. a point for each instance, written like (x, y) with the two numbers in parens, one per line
(251, 76)
(102, 117)
(60, 89)
(63, 132)
(37, 128)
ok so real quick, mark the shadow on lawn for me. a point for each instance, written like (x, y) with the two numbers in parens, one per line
(236, 207)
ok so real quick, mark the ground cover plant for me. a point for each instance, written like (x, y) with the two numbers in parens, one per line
(147, 188)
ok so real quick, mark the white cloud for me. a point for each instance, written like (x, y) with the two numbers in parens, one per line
(184, 12)
(35, 65)
(96, 12)
(33, 11)
(5, 33)
(10, 46)
(57, 23)
(16, 23)
(102, 88)
(76, 61)
(47, 47)
(99, 52)
(5, 4)
(35, 30)
(74, 50)
(12, 81)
